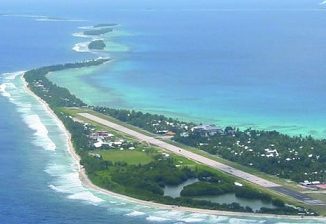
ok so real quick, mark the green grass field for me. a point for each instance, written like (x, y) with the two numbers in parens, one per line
(131, 157)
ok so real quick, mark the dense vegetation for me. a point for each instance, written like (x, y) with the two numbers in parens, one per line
(206, 188)
(96, 45)
(150, 122)
(296, 158)
(140, 179)
(147, 182)
(144, 181)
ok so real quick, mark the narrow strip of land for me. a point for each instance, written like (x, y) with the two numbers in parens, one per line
(201, 159)
(180, 151)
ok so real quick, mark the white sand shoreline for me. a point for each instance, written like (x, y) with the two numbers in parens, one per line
(88, 184)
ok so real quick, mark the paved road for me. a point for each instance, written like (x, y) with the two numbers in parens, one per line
(201, 159)
(299, 196)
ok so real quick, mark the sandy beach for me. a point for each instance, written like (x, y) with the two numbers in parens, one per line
(88, 184)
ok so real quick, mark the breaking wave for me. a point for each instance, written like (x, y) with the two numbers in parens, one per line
(82, 47)
(16, 94)
(135, 213)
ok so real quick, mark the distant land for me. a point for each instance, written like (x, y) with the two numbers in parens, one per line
(96, 45)
(96, 32)
(104, 25)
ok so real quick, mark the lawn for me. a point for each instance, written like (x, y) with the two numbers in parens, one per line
(131, 157)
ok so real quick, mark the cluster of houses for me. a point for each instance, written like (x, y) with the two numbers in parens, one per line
(164, 127)
(207, 130)
(105, 139)
(40, 85)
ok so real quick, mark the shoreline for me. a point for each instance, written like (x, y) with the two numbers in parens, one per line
(88, 184)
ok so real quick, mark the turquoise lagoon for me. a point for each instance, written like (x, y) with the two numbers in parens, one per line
(255, 65)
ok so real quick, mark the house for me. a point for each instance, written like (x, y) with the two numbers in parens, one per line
(103, 134)
(98, 144)
(100, 135)
(207, 130)
(163, 132)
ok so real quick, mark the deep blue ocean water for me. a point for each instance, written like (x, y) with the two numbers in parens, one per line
(38, 179)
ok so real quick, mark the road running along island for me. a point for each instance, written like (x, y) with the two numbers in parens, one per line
(204, 160)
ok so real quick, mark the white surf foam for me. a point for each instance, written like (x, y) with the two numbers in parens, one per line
(192, 220)
(43, 140)
(156, 219)
(57, 189)
(67, 181)
(81, 47)
(24, 108)
(3, 91)
(218, 219)
(181, 216)
(16, 96)
(7, 86)
(242, 221)
(85, 196)
(64, 169)
(13, 75)
(80, 34)
(135, 213)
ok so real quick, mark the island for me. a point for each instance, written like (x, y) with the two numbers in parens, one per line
(124, 164)
(97, 45)
(97, 32)
(104, 25)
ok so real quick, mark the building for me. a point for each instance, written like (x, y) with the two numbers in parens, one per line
(100, 135)
(207, 130)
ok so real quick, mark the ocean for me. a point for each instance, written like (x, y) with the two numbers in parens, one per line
(247, 64)
(172, 58)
